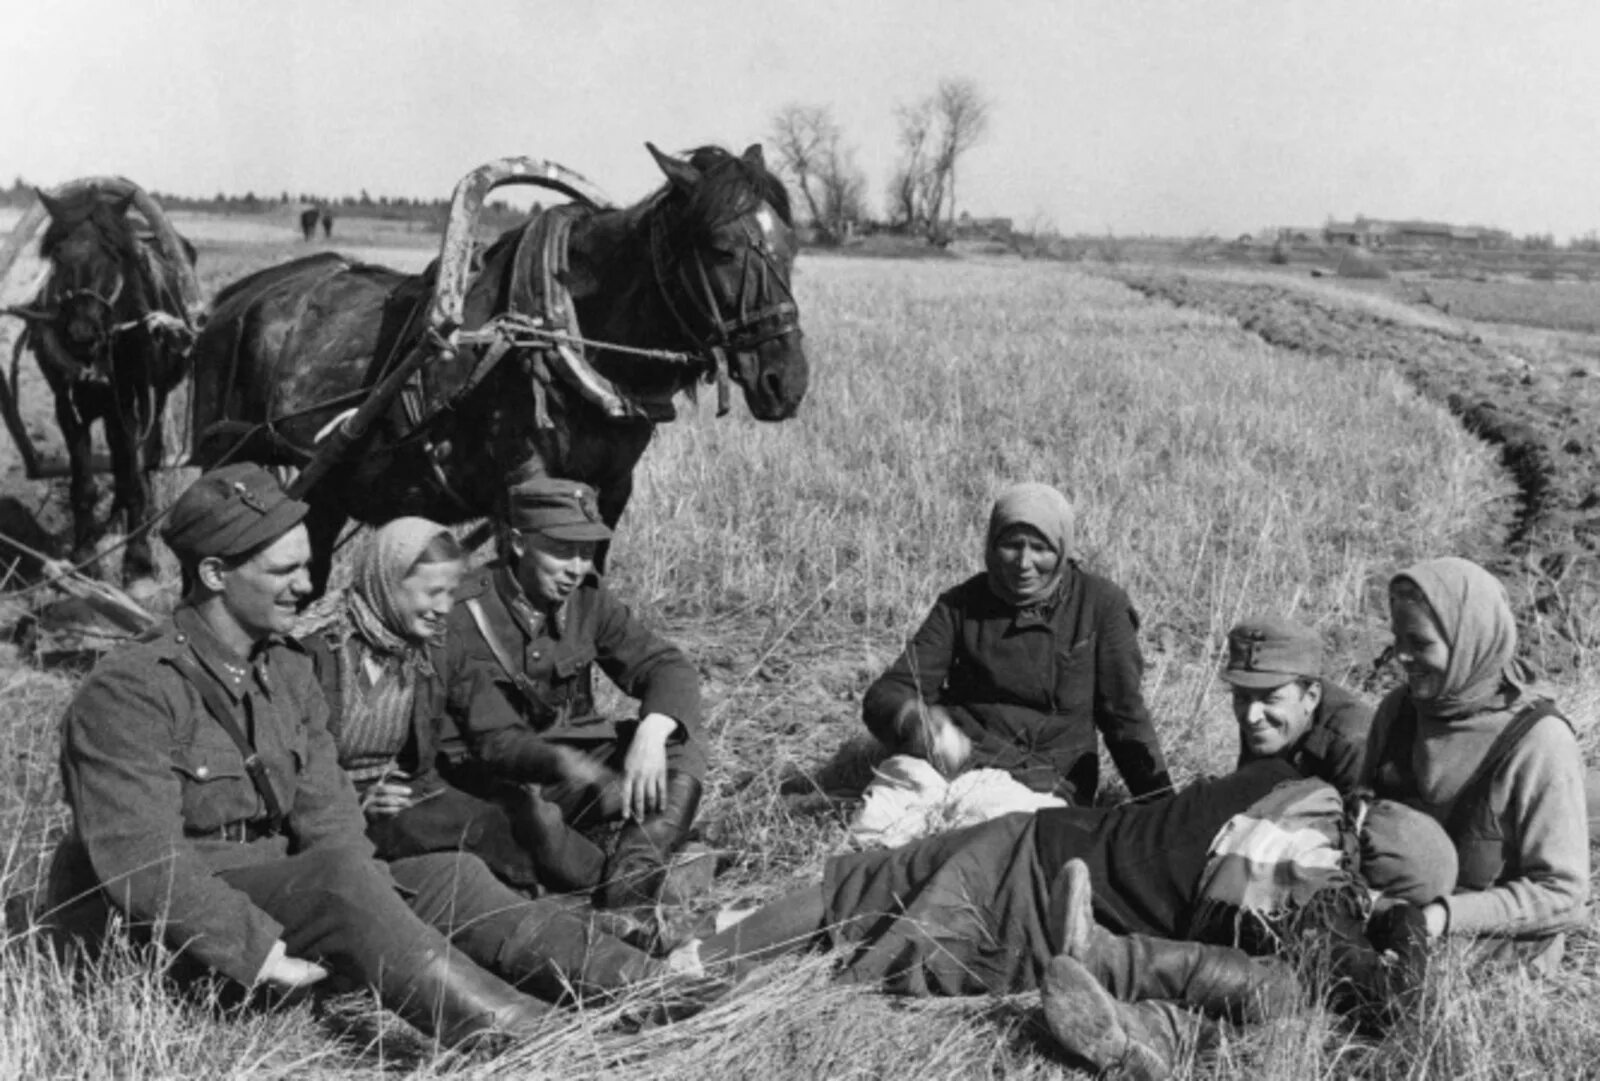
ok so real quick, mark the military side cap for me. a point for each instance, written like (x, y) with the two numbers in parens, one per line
(1271, 652)
(230, 511)
(564, 510)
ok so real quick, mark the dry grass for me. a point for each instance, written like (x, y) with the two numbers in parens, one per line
(1214, 476)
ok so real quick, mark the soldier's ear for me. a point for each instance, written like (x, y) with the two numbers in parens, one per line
(209, 572)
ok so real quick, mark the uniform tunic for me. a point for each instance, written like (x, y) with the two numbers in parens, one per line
(552, 691)
(1030, 688)
(156, 786)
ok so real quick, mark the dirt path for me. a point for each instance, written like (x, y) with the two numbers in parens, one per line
(1545, 420)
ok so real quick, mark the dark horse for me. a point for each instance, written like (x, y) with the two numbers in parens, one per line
(308, 222)
(110, 329)
(700, 267)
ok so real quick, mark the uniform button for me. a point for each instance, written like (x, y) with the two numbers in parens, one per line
(180, 638)
(202, 772)
(534, 654)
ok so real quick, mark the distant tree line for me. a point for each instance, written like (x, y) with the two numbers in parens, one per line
(932, 136)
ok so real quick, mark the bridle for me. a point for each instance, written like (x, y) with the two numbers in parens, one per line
(765, 305)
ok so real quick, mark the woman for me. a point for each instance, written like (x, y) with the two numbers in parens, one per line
(376, 669)
(1017, 667)
(1467, 741)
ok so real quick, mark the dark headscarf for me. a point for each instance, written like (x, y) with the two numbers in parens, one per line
(1046, 511)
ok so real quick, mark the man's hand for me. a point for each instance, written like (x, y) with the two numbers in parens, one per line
(644, 768)
(289, 973)
(386, 798)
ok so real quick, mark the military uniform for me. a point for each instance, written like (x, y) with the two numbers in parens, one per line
(208, 805)
(542, 653)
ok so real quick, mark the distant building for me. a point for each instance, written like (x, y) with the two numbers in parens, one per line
(970, 228)
(1378, 233)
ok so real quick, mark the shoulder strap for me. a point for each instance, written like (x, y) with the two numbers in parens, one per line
(496, 644)
(1510, 736)
(222, 712)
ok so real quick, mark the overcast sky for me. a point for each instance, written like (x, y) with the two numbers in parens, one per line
(1152, 116)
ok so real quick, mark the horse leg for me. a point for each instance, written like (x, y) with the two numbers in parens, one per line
(82, 493)
(133, 496)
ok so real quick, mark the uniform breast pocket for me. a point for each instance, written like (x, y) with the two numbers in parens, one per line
(216, 789)
(1074, 679)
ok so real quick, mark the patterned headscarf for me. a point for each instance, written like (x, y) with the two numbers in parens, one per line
(1042, 508)
(1470, 606)
(372, 601)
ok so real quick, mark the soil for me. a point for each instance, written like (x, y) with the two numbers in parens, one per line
(1544, 418)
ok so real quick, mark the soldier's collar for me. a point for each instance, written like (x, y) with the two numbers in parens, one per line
(522, 608)
(229, 669)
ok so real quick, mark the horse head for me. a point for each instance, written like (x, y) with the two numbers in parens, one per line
(722, 247)
(94, 268)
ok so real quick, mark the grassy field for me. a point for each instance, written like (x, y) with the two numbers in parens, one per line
(1214, 476)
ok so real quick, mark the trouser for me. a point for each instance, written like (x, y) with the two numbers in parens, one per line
(544, 947)
(447, 819)
(553, 823)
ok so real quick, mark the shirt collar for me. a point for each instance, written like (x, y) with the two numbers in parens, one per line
(529, 616)
(231, 671)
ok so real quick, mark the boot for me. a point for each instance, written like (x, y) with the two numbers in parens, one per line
(638, 865)
(446, 996)
(1217, 980)
(1141, 1042)
(566, 860)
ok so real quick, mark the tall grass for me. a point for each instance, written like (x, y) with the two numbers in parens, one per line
(1213, 477)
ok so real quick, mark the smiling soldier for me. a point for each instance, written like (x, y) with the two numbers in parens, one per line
(540, 619)
(1286, 709)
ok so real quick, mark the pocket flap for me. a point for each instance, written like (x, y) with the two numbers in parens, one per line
(202, 763)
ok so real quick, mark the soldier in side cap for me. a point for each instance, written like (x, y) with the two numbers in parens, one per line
(1287, 709)
(208, 803)
(541, 619)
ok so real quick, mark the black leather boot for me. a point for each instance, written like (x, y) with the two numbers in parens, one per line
(638, 865)
(1141, 1041)
(446, 996)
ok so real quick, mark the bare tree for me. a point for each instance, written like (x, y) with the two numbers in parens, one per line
(963, 121)
(798, 133)
(914, 127)
(810, 150)
(934, 134)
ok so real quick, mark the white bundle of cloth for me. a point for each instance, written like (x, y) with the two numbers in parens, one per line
(908, 799)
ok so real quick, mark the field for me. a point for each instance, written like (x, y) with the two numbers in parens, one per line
(1215, 475)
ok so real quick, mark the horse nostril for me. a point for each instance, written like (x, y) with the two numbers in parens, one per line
(771, 384)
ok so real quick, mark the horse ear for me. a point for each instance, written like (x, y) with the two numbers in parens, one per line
(52, 207)
(681, 173)
(754, 158)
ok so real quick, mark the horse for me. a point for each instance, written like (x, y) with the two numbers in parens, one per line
(327, 223)
(701, 266)
(308, 222)
(110, 329)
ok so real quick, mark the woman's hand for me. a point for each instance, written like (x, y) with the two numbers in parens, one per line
(931, 734)
(289, 973)
(644, 767)
(386, 798)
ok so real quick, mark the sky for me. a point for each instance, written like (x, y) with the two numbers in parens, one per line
(1166, 117)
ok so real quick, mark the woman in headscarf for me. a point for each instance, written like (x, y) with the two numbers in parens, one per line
(376, 667)
(1019, 666)
(1468, 741)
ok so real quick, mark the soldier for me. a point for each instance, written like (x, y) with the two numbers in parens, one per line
(1286, 709)
(208, 804)
(541, 619)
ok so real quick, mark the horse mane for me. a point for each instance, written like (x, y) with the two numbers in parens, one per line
(99, 209)
(730, 187)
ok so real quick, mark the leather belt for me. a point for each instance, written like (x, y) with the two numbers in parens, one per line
(243, 831)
